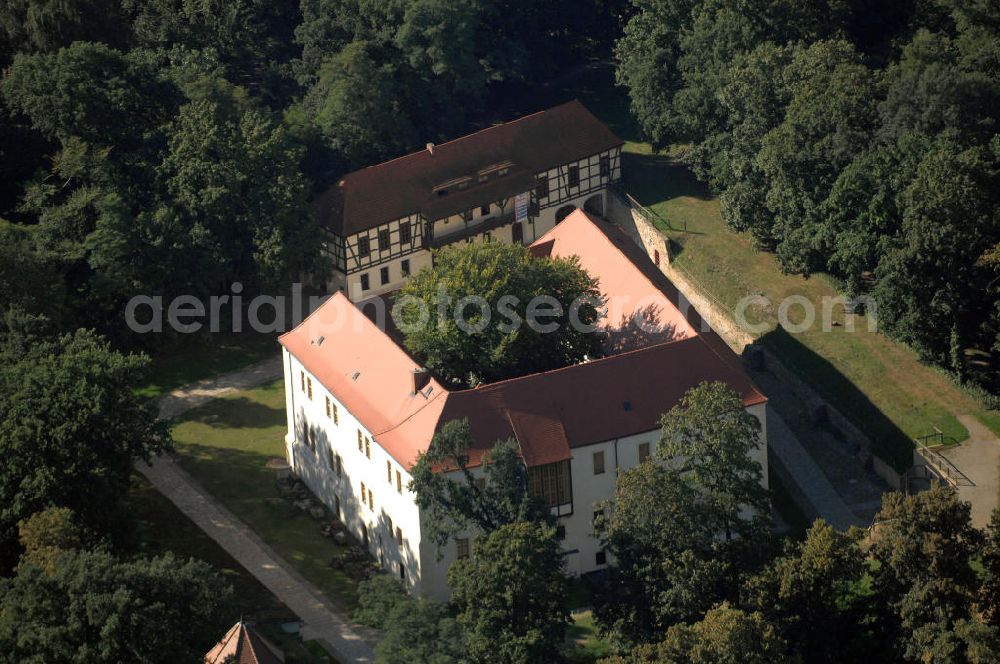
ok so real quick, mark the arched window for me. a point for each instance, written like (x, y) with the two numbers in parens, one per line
(595, 205)
(564, 212)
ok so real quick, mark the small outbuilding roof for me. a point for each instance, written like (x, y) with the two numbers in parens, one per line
(243, 644)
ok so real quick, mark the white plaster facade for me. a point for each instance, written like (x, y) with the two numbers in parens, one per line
(388, 504)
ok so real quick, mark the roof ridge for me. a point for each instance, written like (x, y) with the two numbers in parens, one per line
(460, 138)
(597, 360)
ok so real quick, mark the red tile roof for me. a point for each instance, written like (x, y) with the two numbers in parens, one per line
(534, 143)
(242, 644)
(611, 257)
(367, 371)
(549, 413)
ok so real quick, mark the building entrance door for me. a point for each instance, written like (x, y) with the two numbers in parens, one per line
(517, 233)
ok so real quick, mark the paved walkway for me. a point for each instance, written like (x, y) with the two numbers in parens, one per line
(195, 394)
(807, 475)
(321, 621)
(979, 458)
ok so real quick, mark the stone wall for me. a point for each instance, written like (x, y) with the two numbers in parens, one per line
(633, 219)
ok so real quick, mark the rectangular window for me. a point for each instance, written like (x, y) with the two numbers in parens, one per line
(331, 458)
(601, 558)
(336, 506)
(383, 240)
(399, 482)
(599, 463)
(302, 375)
(309, 387)
(328, 409)
(598, 521)
(364, 246)
(399, 536)
(340, 466)
(371, 500)
(605, 162)
(336, 415)
(574, 176)
(360, 442)
(462, 548)
(383, 274)
(643, 452)
(364, 493)
(368, 448)
(484, 211)
(551, 483)
(405, 265)
(542, 188)
(467, 215)
(402, 572)
(404, 232)
(388, 470)
(388, 524)
(365, 284)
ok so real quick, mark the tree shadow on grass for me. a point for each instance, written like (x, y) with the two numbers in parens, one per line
(238, 413)
(889, 442)
(657, 178)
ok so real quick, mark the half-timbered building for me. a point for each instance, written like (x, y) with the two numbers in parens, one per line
(509, 183)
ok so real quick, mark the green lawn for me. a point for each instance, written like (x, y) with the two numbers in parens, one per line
(205, 356)
(225, 445)
(159, 527)
(587, 645)
(881, 385)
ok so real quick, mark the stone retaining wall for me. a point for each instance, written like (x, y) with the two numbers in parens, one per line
(645, 234)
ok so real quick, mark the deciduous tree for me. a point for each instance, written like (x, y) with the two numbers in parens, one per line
(490, 286)
(453, 505)
(510, 596)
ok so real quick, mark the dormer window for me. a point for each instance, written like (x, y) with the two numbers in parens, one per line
(483, 177)
(503, 171)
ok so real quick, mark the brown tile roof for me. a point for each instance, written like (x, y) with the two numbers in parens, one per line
(549, 413)
(403, 186)
(553, 412)
(242, 644)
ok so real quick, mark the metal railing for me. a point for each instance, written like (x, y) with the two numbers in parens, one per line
(938, 463)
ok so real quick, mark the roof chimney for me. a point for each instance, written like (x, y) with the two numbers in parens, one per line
(420, 377)
(430, 148)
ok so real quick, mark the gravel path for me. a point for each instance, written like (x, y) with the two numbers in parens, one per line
(321, 621)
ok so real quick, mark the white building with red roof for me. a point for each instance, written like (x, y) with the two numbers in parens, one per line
(360, 409)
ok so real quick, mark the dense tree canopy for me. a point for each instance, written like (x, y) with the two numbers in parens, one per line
(96, 608)
(683, 530)
(849, 137)
(492, 311)
(510, 596)
(70, 427)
